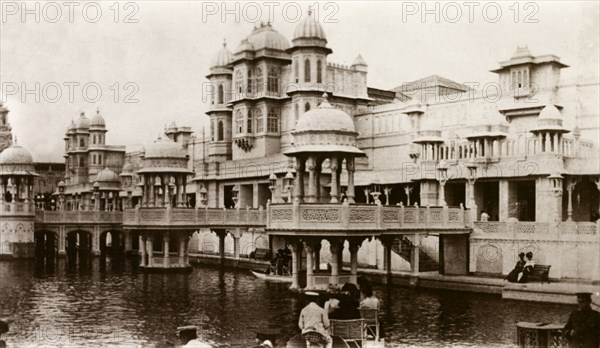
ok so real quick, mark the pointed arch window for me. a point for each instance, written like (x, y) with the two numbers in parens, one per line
(272, 122)
(260, 122)
(296, 112)
(307, 70)
(306, 107)
(273, 80)
(94, 159)
(250, 82)
(100, 159)
(260, 80)
(296, 72)
(239, 83)
(249, 122)
(319, 71)
(212, 130)
(81, 162)
(94, 139)
(239, 122)
(81, 142)
(220, 93)
(220, 131)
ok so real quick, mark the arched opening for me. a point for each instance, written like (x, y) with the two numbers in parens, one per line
(306, 107)
(239, 82)
(272, 122)
(220, 131)
(273, 80)
(81, 142)
(46, 248)
(319, 71)
(259, 80)
(220, 94)
(260, 123)
(111, 244)
(307, 70)
(78, 247)
(249, 122)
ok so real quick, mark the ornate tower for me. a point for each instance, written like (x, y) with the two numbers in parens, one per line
(220, 113)
(5, 130)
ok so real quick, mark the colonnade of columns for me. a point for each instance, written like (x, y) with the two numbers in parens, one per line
(167, 258)
(549, 141)
(19, 186)
(313, 164)
(159, 188)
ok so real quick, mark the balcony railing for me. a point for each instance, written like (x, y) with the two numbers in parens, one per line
(364, 217)
(79, 217)
(195, 217)
(17, 209)
(537, 230)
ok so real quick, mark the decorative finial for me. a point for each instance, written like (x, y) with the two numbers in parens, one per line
(98, 110)
(15, 140)
(310, 11)
(224, 42)
(82, 114)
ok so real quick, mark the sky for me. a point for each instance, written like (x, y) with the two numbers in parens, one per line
(149, 59)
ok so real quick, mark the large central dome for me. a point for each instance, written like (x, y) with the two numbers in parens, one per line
(265, 37)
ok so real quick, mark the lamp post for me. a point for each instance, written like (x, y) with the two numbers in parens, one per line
(235, 192)
(203, 197)
(96, 196)
(272, 186)
(61, 195)
(288, 182)
(443, 178)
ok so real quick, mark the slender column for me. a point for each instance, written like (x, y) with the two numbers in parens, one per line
(407, 190)
(152, 203)
(178, 201)
(2, 190)
(143, 253)
(442, 194)
(414, 265)
(183, 190)
(236, 245)
(334, 249)
(310, 166)
(318, 169)
(310, 280)
(387, 254)
(299, 184)
(350, 169)
(317, 258)
(182, 250)
(570, 186)
(333, 165)
(166, 250)
(222, 235)
(150, 250)
(128, 245)
(165, 189)
(186, 250)
(354, 245)
(295, 246)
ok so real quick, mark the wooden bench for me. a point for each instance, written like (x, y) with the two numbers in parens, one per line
(261, 254)
(540, 272)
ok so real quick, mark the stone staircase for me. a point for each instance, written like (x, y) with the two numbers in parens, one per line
(403, 247)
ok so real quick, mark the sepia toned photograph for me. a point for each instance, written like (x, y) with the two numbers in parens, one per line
(299, 174)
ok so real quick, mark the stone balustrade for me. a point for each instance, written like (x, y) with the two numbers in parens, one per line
(537, 230)
(194, 218)
(364, 217)
(78, 217)
(17, 209)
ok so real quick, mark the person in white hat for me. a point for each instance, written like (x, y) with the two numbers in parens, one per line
(314, 318)
(189, 337)
(267, 344)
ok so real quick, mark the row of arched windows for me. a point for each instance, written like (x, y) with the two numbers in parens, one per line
(220, 131)
(97, 140)
(255, 81)
(308, 70)
(97, 160)
(258, 115)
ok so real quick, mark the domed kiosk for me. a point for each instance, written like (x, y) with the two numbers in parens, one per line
(163, 246)
(324, 133)
(17, 206)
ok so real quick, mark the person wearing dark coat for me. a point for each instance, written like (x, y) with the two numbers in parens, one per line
(583, 327)
(514, 274)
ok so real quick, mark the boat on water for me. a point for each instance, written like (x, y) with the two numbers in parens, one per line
(272, 277)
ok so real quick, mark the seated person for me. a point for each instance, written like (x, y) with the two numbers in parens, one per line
(514, 274)
(347, 308)
(527, 269)
(370, 300)
(313, 318)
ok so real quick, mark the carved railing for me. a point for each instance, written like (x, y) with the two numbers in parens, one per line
(364, 217)
(537, 230)
(194, 217)
(17, 208)
(78, 217)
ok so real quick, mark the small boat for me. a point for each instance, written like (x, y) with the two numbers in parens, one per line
(272, 277)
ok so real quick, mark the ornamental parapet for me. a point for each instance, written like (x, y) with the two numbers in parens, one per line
(17, 209)
(533, 230)
(63, 217)
(193, 218)
(366, 218)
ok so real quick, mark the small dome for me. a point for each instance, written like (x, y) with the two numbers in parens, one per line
(98, 120)
(309, 28)
(222, 58)
(82, 122)
(106, 175)
(15, 155)
(550, 112)
(359, 60)
(325, 118)
(265, 37)
(164, 148)
(71, 127)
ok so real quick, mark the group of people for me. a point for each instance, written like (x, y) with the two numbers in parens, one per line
(342, 305)
(523, 268)
(281, 263)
